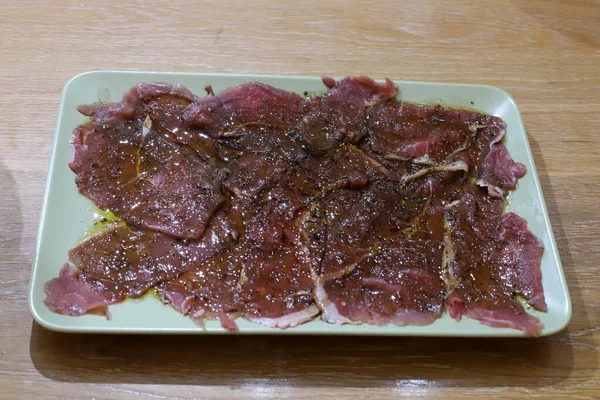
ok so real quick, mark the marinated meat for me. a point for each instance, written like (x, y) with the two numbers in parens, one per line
(70, 295)
(398, 280)
(346, 224)
(256, 203)
(433, 135)
(229, 113)
(425, 135)
(250, 174)
(125, 163)
(120, 262)
(494, 259)
(340, 114)
(499, 172)
(265, 278)
(273, 288)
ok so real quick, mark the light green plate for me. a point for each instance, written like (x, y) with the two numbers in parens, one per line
(66, 215)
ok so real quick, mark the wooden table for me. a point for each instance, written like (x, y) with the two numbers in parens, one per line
(545, 53)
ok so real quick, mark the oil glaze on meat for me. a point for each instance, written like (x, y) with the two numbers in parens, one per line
(257, 203)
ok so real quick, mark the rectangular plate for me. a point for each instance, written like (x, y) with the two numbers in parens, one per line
(66, 215)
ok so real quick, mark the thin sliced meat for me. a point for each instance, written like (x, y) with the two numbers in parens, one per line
(137, 260)
(409, 132)
(135, 101)
(345, 166)
(349, 238)
(228, 113)
(208, 291)
(340, 113)
(262, 158)
(272, 287)
(175, 191)
(120, 262)
(489, 314)
(250, 174)
(266, 278)
(264, 140)
(276, 287)
(399, 282)
(499, 172)
(69, 295)
(493, 259)
(127, 164)
(341, 227)
(430, 134)
(289, 320)
(520, 260)
(398, 285)
(271, 219)
(255, 203)
(491, 165)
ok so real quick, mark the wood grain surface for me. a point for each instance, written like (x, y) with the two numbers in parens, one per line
(545, 53)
